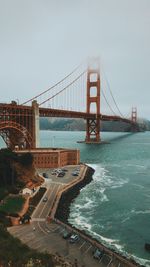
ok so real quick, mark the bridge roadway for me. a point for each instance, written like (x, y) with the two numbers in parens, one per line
(47, 236)
(22, 110)
(47, 112)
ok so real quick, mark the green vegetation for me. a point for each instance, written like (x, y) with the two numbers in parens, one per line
(12, 204)
(26, 159)
(8, 176)
(7, 172)
(15, 254)
(79, 125)
(62, 124)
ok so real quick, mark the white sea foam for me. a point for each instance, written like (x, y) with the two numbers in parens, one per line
(120, 248)
(108, 241)
(142, 261)
(82, 222)
(126, 219)
(102, 176)
(87, 203)
(102, 180)
(135, 165)
(141, 211)
(120, 183)
(138, 185)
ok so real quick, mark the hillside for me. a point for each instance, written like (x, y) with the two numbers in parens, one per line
(60, 124)
(17, 171)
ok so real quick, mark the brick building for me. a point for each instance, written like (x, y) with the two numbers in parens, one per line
(53, 157)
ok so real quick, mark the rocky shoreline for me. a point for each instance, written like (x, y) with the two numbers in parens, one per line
(63, 209)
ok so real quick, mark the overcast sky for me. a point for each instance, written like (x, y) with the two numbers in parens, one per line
(41, 41)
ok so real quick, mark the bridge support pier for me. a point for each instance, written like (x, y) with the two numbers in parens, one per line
(93, 99)
(93, 131)
(35, 125)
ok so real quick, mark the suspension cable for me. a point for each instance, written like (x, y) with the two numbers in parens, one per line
(63, 88)
(112, 94)
(53, 86)
(108, 102)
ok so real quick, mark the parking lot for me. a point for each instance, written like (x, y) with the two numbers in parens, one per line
(50, 239)
(68, 175)
(81, 247)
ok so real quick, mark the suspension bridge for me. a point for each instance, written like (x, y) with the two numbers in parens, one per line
(78, 95)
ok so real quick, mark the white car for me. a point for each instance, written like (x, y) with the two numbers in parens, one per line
(45, 199)
(74, 239)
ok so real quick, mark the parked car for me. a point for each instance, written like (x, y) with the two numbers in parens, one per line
(54, 172)
(97, 254)
(67, 234)
(74, 238)
(74, 174)
(61, 174)
(45, 175)
(45, 199)
(58, 170)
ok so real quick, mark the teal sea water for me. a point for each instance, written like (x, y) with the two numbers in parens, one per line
(115, 206)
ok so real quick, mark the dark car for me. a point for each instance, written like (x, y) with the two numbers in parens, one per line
(97, 254)
(75, 174)
(67, 234)
(45, 175)
(61, 174)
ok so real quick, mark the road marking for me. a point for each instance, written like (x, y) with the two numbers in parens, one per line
(39, 203)
(102, 257)
(57, 183)
(53, 200)
(56, 228)
(48, 197)
(41, 228)
(109, 262)
(88, 249)
(62, 231)
(38, 220)
(82, 244)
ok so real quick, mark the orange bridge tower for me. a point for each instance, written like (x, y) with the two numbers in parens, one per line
(93, 101)
(134, 115)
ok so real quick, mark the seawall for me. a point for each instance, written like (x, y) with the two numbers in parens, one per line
(63, 208)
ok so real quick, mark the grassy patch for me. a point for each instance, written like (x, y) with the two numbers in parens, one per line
(12, 204)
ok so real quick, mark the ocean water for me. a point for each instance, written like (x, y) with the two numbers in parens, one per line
(115, 206)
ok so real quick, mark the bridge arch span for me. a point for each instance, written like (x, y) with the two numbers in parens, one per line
(15, 134)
